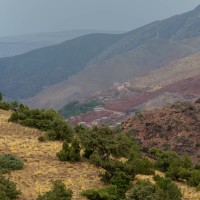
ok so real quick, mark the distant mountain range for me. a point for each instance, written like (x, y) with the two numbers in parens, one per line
(73, 70)
(16, 45)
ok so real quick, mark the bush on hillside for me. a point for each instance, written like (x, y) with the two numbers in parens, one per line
(176, 167)
(58, 192)
(164, 189)
(143, 190)
(109, 193)
(4, 105)
(44, 120)
(8, 190)
(9, 162)
(105, 142)
(70, 153)
(122, 181)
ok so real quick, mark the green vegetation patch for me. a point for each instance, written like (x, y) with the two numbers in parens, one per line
(164, 189)
(8, 190)
(76, 108)
(58, 192)
(9, 162)
(176, 167)
(50, 121)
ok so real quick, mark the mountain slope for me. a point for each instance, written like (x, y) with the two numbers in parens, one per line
(79, 67)
(178, 81)
(175, 128)
(16, 45)
(39, 68)
(101, 76)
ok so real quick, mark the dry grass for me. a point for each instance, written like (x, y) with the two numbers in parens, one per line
(41, 164)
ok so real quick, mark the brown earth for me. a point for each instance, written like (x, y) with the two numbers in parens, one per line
(174, 128)
(189, 86)
(41, 164)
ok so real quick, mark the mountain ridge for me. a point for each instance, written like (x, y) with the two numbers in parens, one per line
(120, 57)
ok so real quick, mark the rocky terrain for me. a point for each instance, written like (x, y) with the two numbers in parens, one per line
(174, 128)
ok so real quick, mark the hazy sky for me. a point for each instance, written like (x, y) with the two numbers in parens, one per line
(31, 16)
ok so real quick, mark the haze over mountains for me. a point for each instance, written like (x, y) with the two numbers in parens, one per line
(55, 75)
(16, 45)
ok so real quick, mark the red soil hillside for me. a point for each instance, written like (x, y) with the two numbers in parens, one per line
(174, 128)
(189, 86)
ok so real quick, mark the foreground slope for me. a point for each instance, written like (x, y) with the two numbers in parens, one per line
(41, 164)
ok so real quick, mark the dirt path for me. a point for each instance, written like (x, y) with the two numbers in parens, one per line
(41, 164)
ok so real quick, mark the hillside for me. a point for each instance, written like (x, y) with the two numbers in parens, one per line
(174, 128)
(74, 69)
(177, 81)
(49, 65)
(41, 164)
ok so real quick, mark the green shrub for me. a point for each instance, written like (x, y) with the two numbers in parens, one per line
(122, 181)
(4, 105)
(58, 192)
(44, 120)
(41, 138)
(141, 165)
(164, 189)
(8, 190)
(143, 190)
(70, 153)
(109, 193)
(9, 162)
(63, 155)
(194, 179)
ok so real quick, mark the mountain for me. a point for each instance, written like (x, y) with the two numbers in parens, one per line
(16, 45)
(40, 68)
(177, 81)
(53, 76)
(174, 128)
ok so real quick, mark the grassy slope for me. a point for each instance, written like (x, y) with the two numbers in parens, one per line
(41, 164)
